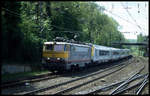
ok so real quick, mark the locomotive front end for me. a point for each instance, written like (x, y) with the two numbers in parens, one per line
(54, 56)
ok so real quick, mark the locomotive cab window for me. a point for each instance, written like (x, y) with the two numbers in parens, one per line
(56, 47)
(59, 47)
(48, 47)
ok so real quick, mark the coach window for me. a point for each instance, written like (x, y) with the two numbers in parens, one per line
(102, 53)
(115, 53)
(127, 52)
(72, 48)
(107, 52)
(99, 52)
(96, 52)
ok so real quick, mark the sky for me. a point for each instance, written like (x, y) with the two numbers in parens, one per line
(131, 16)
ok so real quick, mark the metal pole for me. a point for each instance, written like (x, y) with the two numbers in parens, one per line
(110, 39)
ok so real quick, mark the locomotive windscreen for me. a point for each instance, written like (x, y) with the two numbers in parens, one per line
(56, 47)
(49, 47)
(59, 47)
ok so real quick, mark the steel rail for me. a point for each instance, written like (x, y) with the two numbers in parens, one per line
(142, 85)
(127, 81)
(101, 88)
(96, 89)
(31, 80)
(77, 86)
(36, 79)
(70, 81)
(120, 91)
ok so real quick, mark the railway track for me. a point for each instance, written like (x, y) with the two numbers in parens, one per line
(144, 81)
(87, 82)
(125, 85)
(32, 80)
(53, 89)
(122, 86)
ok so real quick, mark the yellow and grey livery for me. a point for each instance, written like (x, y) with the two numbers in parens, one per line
(65, 56)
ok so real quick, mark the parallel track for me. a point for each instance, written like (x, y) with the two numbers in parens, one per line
(31, 80)
(126, 82)
(145, 81)
(67, 82)
(134, 85)
(22, 82)
(105, 88)
(122, 85)
(77, 86)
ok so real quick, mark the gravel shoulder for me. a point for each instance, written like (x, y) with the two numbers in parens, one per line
(120, 75)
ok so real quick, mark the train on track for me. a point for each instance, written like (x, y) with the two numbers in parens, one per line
(71, 56)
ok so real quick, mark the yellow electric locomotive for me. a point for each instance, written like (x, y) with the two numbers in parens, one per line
(65, 56)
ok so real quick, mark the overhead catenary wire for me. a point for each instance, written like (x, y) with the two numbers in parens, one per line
(18, 15)
(132, 5)
(132, 18)
(119, 17)
(70, 31)
(123, 19)
(11, 12)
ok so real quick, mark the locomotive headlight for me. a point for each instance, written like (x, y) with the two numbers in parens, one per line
(58, 58)
(48, 58)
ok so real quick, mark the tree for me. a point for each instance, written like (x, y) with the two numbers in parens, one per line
(142, 39)
(29, 24)
(11, 35)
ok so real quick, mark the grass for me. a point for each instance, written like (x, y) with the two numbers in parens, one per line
(16, 76)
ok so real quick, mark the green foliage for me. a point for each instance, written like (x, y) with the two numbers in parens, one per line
(38, 22)
(142, 39)
(11, 35)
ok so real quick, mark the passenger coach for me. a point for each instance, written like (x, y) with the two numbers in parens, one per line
(101, 54)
